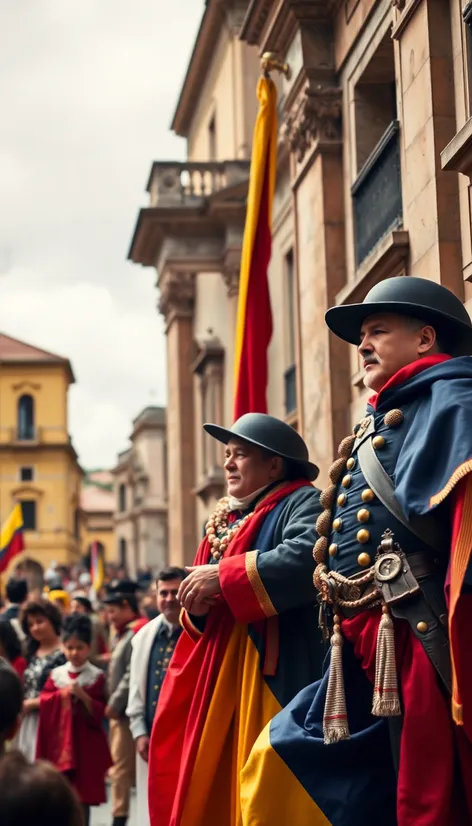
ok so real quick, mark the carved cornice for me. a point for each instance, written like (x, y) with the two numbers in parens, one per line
(259, 27)
(315, 115)
(231, 279)
(177, 295)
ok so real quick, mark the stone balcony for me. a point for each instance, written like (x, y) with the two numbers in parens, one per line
(188, 183)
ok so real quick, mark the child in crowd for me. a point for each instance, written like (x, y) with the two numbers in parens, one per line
(11, 702)
(35, 793)
(72, 703)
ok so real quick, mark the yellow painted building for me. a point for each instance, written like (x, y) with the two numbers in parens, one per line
(38, 464)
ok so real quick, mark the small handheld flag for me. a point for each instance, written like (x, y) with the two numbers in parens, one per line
(11, 537)
(97, 566)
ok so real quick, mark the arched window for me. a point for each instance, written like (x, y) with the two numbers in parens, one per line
(25, 418)
(122, 498)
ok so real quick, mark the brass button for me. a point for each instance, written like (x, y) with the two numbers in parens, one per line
(363, 560)
(346, 481)
(337, 524)
(363, 515)
(342, 499)
(378, 442)
(156, 687)
(351, 463)
(367, 495)
(393, 418)
(333, 549)
(422, 627)
(363, 536)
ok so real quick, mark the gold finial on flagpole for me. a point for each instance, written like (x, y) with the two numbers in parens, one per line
(270, 63)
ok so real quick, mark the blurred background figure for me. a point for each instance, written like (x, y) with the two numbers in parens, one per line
(152, 648)
(11, 702)
(16, 594)
(123, 615)
(60, 598)
(36, 793)
(99, 653)
(41, 622)
(10, 646)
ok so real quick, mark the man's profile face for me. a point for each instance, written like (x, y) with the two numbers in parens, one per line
(248, 469)
(167, 602)
(390, 342)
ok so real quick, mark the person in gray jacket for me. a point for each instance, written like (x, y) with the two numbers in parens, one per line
(122, 610)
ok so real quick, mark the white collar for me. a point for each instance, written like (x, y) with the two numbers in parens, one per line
(87, 675)
(244, 503)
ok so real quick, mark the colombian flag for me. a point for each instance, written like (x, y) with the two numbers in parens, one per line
(97, 566)
(254, 318)
(11, 537)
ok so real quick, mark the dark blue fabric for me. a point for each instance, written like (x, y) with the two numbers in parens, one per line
(301, 650)
(439, 439)
(353, 782)
(159, 659)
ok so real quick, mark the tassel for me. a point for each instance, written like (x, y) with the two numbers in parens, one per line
(335, 723)
(386, 701)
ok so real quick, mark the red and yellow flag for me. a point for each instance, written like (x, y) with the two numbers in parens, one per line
(254, 318)
(11, 537)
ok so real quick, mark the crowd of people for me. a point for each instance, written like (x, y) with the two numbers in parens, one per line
(78, 690)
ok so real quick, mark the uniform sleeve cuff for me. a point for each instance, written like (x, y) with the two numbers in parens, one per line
(243, 589)
(188, 626)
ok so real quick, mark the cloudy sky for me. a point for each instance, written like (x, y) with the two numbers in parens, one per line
(87, 91)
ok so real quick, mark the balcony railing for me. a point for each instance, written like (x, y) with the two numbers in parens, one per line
(377, 194)
(172, 183)
(290, 383)
(33, 436)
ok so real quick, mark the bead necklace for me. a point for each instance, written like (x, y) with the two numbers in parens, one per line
(218, 534)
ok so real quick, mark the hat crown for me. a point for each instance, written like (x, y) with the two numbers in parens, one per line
(421, 292)
(275, 435)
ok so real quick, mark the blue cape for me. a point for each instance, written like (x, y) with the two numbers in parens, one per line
(438, 444)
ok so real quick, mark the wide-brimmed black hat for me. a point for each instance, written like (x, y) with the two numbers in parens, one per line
(120, 590)
(271, 434)
(414, 297)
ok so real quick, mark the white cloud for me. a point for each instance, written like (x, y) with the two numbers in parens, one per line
(88, 91)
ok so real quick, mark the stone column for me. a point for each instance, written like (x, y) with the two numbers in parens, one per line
(424, 64)
(176, 304)
(312, 129)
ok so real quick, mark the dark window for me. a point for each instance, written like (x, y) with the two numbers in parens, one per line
(29, 515)
(377, 190)
(122, 498)
(26, 474)
(122, 553)
(25, 420)
(290, 375)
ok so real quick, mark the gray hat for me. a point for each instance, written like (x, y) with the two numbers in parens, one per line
(270, 434)
(413, 297)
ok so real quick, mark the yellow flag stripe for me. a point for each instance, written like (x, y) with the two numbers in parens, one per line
(264, 152)
(12, 524)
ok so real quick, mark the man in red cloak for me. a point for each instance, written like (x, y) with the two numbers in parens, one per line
(250, 640)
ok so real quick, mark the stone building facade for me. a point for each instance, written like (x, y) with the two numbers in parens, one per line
(140, 495)
(39, 467)
(375, 154)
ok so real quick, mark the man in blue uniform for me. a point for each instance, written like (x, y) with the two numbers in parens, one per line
(374, 741)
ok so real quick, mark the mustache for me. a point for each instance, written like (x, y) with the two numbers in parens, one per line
(370, 359)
